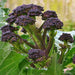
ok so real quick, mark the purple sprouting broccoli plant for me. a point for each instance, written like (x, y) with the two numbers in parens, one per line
(66, 38)
(24, 17)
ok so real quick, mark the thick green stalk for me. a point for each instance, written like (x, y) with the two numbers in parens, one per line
(62, 53)
(31, 29)
(68, 48)
(51, 41)
(44, 36)
(52, 49)
(61, 57)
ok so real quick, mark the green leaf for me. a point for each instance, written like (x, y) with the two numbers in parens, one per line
(9, 60)
(38, 71)
(69, 56)
(28, 38)
(55, 68)
(11, 63)
(4, 51)
(6, 10)
(25, 36)
(32, 71)
(23, 65)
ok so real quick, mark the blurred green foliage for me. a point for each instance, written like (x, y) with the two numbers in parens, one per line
(69, 26)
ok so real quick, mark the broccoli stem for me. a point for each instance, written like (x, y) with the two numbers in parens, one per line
(31, 29)
(63, 53)
(61, 58)
(44, 36)
(51, 41)
(29, 44)
(26, 42)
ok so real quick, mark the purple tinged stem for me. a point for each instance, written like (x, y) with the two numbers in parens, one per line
(44, 36)
(50, 43)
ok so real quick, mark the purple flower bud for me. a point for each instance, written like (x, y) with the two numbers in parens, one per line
(34, 12)
(31, 10)
(23, 9)
(24, 20)
(49, 14)
(8, 28)
(11, 19)
(52, 24)
(11, 14)
(10, 36)
(66, 37)
(37, 7)
(35, 53)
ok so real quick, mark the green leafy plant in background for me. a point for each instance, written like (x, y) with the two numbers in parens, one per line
(3, 12)
(34, 52)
